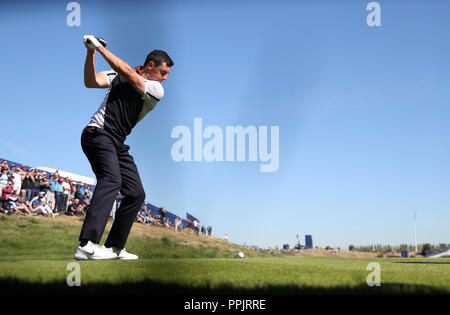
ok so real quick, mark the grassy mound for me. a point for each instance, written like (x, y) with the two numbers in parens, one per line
(39, 237)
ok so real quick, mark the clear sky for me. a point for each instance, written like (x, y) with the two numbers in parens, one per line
(364, 138)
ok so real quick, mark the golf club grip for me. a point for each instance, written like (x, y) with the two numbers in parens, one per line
(102, 41)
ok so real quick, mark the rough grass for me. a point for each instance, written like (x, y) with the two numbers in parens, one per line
(35, 253)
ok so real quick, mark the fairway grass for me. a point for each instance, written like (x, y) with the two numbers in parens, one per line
(35, 253)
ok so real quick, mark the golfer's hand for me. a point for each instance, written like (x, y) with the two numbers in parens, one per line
(91, 42)
(92, 50)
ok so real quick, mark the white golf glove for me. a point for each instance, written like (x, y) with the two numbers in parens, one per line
(93, 42)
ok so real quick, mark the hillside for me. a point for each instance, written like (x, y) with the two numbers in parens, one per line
(59, 236)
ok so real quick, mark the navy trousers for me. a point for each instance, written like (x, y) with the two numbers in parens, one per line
(116, 171)
(59, 202)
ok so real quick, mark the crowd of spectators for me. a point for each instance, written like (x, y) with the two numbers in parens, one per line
(194, 225)
(28, 191)
(145, 216)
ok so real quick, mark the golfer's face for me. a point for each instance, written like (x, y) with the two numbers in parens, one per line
(157, 73)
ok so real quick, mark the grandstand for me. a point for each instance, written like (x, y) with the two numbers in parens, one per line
(90, 182)
(438, 254)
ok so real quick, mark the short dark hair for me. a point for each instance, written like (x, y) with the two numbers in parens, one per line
(158, 57)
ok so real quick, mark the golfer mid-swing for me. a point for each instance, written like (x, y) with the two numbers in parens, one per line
(131, 95)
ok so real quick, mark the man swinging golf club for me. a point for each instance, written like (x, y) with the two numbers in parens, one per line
(131, 95)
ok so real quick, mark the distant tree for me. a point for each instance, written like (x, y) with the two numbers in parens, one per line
(426, 248)
(442, 247)
(351, 247)
(328, 248)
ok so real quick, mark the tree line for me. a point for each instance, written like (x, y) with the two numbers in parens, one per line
(422, 248)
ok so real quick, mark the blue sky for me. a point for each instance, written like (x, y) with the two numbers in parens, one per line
(362, 111)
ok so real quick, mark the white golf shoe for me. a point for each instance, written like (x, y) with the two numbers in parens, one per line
(93, 251)
(121, 253)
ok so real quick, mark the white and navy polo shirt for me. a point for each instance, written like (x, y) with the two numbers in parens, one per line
(123, 107)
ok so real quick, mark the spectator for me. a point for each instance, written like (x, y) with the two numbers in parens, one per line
(89, 195)
(59, 196)
(7, 190)
(67, 190)
(80, 190)
(17, 205)
(85, 206)
(209, 230)
(56, 175)
(4, 179)
(162, 216)
(88, 192)
(82, 197)
(16, 177)
(115, 206)
(196, 223)
(72, 209)
(5, 166)
(79, 211)
(20, 171)
(23, 198)
(203, 230)
(5, 206)
(13, 167)
(4, 194)
(44, 184)
(138, 217)
(26, 185)
(23, 194)
(39, 205)
(35, 183)
(142, 217)
(73, 192)
(80, 208)
(177, 223)
(152, 219)
(51, 192)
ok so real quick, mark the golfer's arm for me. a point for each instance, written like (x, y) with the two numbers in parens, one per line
(91, 78)
(124, 69)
